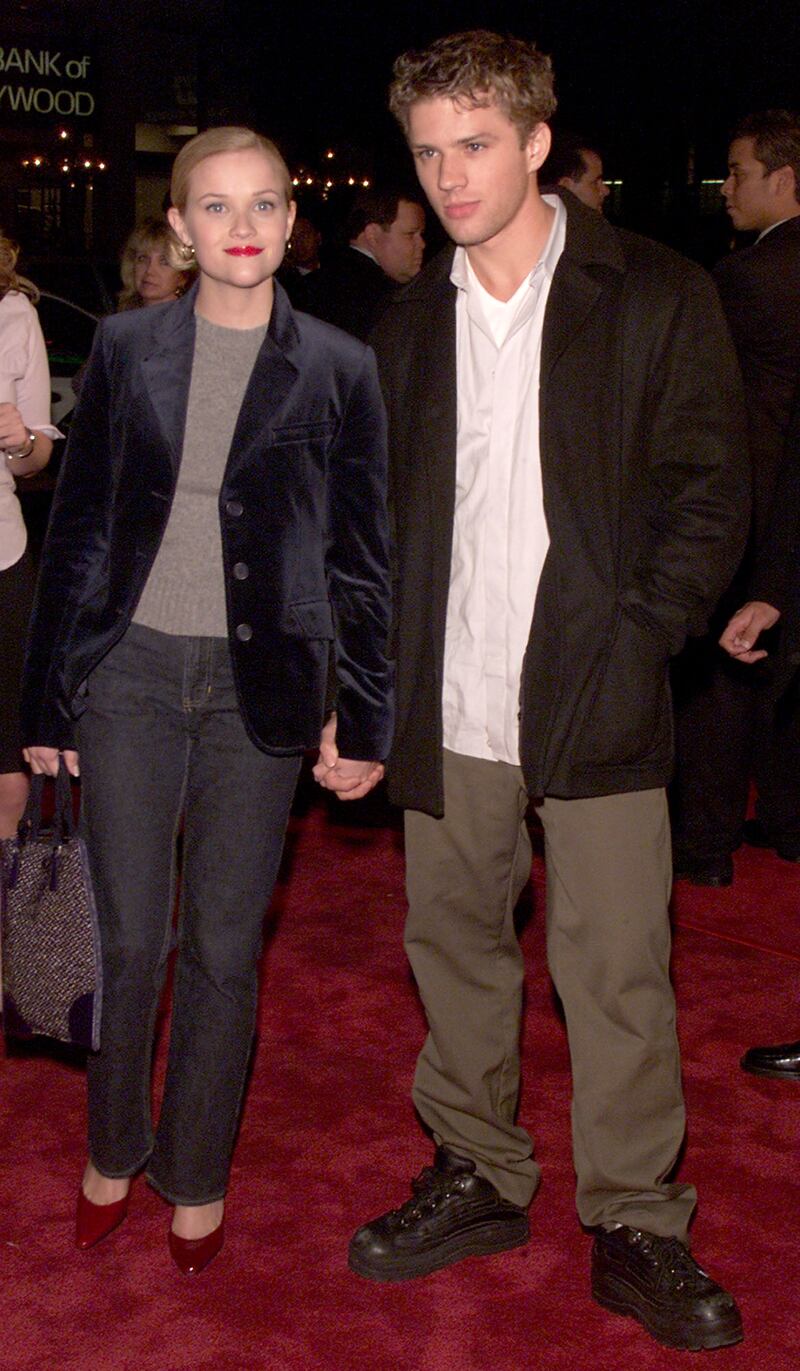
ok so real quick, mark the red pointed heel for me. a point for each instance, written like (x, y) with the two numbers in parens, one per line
(95, 1221)
(192, 1255)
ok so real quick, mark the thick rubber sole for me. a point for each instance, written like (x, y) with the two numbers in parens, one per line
(476, 1242)
(773, 1075)
(619, 1301)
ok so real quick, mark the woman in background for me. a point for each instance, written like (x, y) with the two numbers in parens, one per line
(150, 267)
(218, 533)
(26, 440)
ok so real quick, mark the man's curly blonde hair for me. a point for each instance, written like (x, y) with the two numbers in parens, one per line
(476, 69)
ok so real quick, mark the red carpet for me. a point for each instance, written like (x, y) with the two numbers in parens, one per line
(329, 1139)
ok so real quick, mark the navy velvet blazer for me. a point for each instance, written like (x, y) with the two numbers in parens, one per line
(302, 512)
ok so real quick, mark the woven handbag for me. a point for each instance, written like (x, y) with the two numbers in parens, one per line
(52, 978)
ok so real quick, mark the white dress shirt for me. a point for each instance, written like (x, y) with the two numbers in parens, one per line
(24, 382)
(500, 536)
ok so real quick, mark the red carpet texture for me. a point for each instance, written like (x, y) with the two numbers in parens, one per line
(329, 1139)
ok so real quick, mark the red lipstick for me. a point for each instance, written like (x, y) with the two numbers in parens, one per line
(244, 252)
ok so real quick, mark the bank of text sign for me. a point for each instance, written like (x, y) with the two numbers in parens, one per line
(43, 84)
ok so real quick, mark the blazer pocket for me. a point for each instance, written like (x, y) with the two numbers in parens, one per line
(314, 618)
(302, 433)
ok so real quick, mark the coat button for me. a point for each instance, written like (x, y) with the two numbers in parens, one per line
(244, 633)
(235, 508)
(241, 571)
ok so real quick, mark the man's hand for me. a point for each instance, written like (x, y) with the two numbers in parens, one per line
(744, 628)
(43, 761)
(348, 779)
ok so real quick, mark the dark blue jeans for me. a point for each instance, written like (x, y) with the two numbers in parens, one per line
(162, 739)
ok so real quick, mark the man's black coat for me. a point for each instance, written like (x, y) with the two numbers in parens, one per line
(302, 515)
(760, 291)
(351, 292)
(646, 495)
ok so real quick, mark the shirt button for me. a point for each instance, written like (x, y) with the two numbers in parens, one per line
(235, 508)
(244, 633)
(241, 571)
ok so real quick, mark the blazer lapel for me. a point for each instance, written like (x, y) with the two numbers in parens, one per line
(167, 370)
(273, 376)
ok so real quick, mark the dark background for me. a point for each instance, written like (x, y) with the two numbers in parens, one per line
(651, 80)
(655, 84)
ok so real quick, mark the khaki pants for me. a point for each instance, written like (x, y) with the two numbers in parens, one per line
(608, 945)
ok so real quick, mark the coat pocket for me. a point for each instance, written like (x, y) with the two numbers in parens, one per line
(630, 719)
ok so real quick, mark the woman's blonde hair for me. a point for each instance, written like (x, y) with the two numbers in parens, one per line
(227, 138)
(9, 277)
(151, 233)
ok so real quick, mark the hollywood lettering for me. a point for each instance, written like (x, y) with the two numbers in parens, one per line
(37, 81)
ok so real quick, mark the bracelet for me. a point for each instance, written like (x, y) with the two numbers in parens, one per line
(17, 454)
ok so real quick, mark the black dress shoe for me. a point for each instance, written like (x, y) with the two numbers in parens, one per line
(713, 871)
(453, 1213)
(782, 1062)
(657, 1281)
(756, 835)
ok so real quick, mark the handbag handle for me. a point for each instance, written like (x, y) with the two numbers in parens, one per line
(63, 821)
(30, 825)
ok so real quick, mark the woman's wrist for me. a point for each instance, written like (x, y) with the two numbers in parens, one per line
(18, 454)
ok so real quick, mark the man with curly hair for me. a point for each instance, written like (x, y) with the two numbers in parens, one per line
(569, 501)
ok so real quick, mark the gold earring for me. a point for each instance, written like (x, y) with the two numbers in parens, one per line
(187, 252)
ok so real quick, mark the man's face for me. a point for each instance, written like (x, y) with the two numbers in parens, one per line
(590, 186)
(478, 178)
(749, 190)
(398, 249)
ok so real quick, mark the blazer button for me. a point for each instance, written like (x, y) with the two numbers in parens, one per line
(244, 633)
(235, 508)
(241, 571)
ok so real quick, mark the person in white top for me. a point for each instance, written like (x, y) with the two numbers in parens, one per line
(570, 495)
(26, 441)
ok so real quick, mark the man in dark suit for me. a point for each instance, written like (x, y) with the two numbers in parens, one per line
(728, 726)
(775, 599)
(385, 231)
(570, 497)
(574, 164)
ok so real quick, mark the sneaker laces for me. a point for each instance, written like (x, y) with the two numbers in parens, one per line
(428, 1190)
(672, 1260)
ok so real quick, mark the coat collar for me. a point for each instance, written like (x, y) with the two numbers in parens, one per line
(167, 370)
(592, 248)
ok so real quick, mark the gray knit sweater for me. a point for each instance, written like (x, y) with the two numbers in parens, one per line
(185, 591)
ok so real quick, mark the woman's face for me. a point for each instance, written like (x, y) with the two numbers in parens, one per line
(236, 217)
(153, 277)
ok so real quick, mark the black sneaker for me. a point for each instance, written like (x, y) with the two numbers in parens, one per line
(453, 1213)
(657, 1281)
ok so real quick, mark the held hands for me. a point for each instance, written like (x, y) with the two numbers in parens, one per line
(43, 761)
(350, 780)
(743, 629)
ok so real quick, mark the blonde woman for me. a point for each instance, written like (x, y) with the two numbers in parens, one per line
(26, 440)
(152, 267)
(218, 535)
